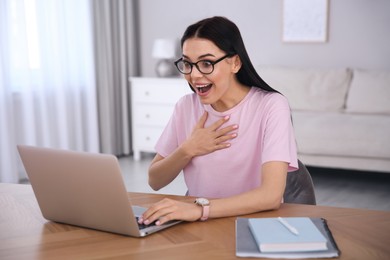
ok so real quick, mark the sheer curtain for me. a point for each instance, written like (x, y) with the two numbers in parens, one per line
(115, 38)
(47, 79)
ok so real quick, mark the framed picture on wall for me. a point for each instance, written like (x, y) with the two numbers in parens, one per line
(305, 20)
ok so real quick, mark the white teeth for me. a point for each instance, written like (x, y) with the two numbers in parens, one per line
(203, 88)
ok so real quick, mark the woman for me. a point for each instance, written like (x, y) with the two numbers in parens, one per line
(232, 137)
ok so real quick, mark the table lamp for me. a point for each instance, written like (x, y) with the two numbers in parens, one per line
(165, 51)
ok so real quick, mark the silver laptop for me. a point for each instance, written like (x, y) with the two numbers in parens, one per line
(83, 189)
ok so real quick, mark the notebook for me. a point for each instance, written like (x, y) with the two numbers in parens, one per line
(246, 245)
(274, 234)
(83, 189)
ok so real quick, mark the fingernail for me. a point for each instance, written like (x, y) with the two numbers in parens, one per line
(158, 222)
(226, 117)
(146, 222)
(235, 126)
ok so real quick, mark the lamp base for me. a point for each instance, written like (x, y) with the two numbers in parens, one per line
(165, 68)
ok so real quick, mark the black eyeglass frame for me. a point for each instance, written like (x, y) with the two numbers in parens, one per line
(192, 64)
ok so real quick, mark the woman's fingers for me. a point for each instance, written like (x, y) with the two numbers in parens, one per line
(204, 140)
(167, 210)
(156, 211)
(217, 124)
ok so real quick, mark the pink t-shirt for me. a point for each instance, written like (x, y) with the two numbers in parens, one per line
(265, 133)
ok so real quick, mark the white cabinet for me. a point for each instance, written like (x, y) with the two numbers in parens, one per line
(152, 103)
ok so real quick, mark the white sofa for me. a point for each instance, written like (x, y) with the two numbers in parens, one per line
(341, 117)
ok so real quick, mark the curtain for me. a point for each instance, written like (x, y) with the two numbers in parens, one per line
(115, 38)
(47, 79)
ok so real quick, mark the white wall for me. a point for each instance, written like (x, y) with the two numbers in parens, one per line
(359, 31)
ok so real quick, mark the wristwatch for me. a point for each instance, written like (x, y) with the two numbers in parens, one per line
(205, 203)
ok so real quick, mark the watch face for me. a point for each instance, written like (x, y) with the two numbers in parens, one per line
(202, 201)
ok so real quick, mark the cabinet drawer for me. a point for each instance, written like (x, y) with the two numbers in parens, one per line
(152, 104)
(152, 115)
(160, 93)
(146, 138)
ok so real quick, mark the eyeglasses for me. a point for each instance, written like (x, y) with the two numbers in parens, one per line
(204, 66)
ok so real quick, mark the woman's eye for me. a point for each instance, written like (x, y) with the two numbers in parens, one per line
(206, 63)
(186, 64)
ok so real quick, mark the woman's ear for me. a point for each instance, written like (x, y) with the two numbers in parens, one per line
(236, 66)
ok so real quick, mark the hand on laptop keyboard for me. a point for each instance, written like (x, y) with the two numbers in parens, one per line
(142, 226)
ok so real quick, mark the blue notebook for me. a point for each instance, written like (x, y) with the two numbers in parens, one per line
(273, 236)
(246, 245)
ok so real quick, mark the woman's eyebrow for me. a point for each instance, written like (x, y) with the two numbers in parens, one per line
(201, 56)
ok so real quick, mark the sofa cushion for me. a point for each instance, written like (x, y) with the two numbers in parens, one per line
(342, 134)
(369, 92)
(309, 89)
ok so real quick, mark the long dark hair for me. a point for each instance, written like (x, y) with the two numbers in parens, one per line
(226, 36)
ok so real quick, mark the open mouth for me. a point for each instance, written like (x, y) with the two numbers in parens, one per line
(204, 89)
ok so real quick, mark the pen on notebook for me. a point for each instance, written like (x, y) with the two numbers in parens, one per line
(288, 226)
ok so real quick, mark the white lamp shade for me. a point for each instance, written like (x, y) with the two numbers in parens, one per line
(164, 49)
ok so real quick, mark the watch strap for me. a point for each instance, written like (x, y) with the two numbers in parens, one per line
(205, 213)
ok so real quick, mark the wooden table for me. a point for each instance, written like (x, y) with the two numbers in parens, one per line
(25, 234)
